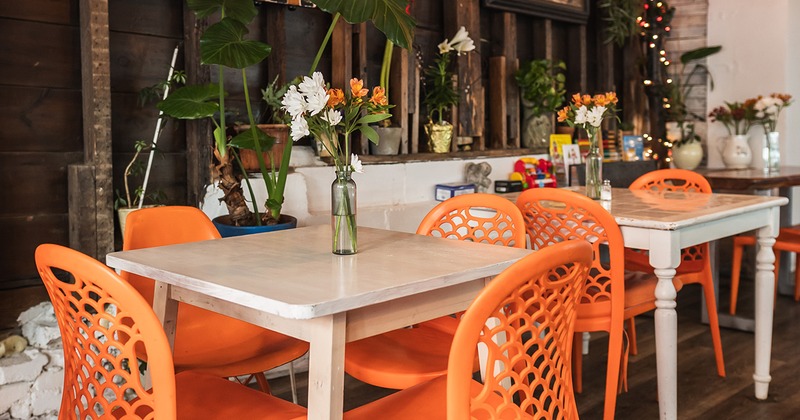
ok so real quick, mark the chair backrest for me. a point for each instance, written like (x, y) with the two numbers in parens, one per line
(672, 180)
(525, 317)
(161, 226)
(556, 215)
(105, 328)
(694, 258)
(478, 217)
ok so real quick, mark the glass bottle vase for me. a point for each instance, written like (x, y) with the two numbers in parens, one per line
(773, 152)
(594, 166)
(343, 214)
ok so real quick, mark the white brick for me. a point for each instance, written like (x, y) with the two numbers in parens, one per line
(55, 357)
(24, 366)
(39, 325)
(21, 409)
(46, 392)
(13, 393)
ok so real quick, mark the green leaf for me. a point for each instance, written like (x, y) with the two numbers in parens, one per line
(370, 132)
(245, 140)
(389, 16)
(223, 43)
(242, 10)
(192, 102)
(699, 53)
(373, 118)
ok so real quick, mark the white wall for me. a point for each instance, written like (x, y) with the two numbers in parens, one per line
(759, 56)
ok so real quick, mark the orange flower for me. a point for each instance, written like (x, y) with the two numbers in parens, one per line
(378, 96)
(587, 100)
(563, 114)
(357, 88)
(576, 99)
(336, 96)
(611, 97)
(600, 100)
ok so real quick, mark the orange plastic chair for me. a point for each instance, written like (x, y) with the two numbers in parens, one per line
(405, 357)
(695, 264)
(608, 298)
(107, 329)
(788, 240)
(525, 318)
(206, 341)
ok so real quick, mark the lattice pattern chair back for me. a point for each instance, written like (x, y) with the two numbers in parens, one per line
(102, 343)
(553, 216)
(525, 319)
(478, 217)
(665, 180)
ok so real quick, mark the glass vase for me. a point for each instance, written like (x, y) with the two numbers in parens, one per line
(594, 166)
(343, 214)
(773, 152)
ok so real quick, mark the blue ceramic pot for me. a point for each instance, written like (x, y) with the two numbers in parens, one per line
(226, 229)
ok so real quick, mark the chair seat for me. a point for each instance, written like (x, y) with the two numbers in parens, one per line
(240, 402)
(243, 343)
(400, 358)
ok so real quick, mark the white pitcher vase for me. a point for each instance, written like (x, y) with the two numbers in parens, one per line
(736, 153)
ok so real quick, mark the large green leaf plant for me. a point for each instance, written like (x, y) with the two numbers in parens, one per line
(223, 44)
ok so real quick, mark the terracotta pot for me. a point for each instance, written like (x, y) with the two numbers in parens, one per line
(249, 158)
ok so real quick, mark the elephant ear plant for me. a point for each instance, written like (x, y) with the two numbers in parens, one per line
(223, 44)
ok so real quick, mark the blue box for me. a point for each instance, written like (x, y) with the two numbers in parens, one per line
(445, 191)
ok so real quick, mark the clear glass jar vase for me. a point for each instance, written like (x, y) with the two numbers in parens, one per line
(594, 165)
(343, 214)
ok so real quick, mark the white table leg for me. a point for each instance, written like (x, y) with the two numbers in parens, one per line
(765, 283)
(326, 367)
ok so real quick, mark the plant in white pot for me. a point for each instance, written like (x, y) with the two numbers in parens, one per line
(541, 83)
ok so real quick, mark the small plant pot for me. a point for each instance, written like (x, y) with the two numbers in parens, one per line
(249, 157)
(122, 215)
(389, 143)
(440, 135)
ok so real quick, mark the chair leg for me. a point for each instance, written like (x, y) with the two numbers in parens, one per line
(736, 268)
(612, 372)
(713, 318)
(262, 382)
(577, 362)
(292, 382)
(634, 349)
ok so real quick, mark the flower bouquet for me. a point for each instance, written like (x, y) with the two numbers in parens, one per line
(332, 116)
(736, 116)
(588, 112)
(767, 110)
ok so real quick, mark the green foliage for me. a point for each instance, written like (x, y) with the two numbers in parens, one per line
(620, 19)
(273, 95)
(389, 16)
(542, 84)
(440, 92)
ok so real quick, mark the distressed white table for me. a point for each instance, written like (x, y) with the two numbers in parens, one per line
(664, 223)
(289, 281)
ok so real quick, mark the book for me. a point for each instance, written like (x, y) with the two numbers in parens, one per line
(632, 148)
(557, 141)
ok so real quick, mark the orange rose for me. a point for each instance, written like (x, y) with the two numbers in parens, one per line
(357, 88)
(378, 96)
(336, 96)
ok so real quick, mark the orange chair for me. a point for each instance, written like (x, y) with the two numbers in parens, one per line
(695, 264)
(106, 329)
(788, 240)
(608, 298)
(237, 348)
(405, 357)
(525, 319)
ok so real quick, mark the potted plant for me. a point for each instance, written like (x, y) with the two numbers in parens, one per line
(389, 137)
(441, 91)
(128, 203)
(541, 83)
(687, 153)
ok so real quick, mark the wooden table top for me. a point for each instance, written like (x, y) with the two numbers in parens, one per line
(751, 179)
(293, 274)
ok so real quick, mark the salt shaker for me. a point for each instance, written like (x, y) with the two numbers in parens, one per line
(605, 192)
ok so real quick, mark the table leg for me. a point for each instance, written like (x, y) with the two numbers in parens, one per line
(765, 283)
(166, 310)
(666, 324)
(326, 367)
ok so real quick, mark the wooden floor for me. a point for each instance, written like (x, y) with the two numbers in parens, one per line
(701, 393)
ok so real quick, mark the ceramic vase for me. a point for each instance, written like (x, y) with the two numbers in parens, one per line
(736, 153)
(594, 166)
(687, 156)
(343, 214)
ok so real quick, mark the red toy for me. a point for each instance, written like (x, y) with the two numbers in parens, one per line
(534, 173)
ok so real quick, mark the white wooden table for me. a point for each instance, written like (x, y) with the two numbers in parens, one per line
(289, 281)
(664, 223)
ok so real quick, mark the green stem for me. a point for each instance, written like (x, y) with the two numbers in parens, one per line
(386, 67)
(249, 189)
(324, 43)
(268, 176)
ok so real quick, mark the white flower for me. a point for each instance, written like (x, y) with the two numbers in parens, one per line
(312, 85)
(464, 47)
(355, 163)
(293, 102)
(460, 36)
(317, 101)
(299, 128)
(445, 47)
(595, 116)
(581, 115)
(332, 116)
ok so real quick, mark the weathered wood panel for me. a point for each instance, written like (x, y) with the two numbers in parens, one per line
(36, 182)
(28, 232)
(64, 12)
(40, 119)
(163, 18)
(40, 55)
(140, 61)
